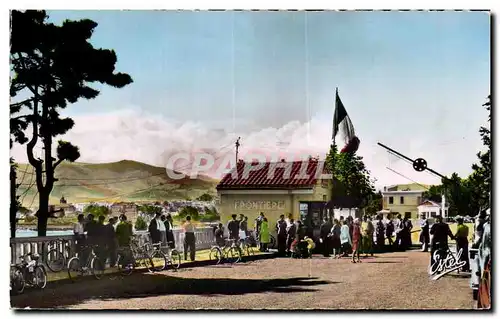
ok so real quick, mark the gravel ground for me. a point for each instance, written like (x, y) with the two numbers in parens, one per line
(386, 281)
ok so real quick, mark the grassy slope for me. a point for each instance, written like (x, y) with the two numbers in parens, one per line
(120, 181)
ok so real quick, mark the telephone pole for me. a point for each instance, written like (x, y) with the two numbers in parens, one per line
(237, 144)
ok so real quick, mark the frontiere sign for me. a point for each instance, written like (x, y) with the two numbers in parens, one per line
(259, 205)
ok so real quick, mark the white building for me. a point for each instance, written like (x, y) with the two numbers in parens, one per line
(345, 212)
(432, 209)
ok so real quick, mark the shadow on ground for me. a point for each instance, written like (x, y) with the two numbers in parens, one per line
(383, 262)
(148, 285)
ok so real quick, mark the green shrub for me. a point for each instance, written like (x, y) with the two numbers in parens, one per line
(140, 223)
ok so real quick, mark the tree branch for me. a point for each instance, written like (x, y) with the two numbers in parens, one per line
(22, 102)
(59, 161)
(21, 59)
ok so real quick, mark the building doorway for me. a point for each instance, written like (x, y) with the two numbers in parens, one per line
(311, 216)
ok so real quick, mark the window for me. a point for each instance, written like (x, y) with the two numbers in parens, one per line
(402, 200)
(391, 200)
(419, 200)
(324, 198)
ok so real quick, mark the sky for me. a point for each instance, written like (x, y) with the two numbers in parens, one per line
(414, 81)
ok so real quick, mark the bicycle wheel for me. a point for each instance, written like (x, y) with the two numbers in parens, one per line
(234, 255)
(17, 282)
(125, 268)
(175, 259)
(272, 241)
(74, 269)
(56, 261)
(97, 267)
(216, 254)
(250, 251)
(40, 276)
(159, 260)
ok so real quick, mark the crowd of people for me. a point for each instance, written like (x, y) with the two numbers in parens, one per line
(105, 239)
(108, 239)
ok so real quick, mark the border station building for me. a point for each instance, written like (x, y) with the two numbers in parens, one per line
(275, 188)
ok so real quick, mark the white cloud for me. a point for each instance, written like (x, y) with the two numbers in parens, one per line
(148, 138)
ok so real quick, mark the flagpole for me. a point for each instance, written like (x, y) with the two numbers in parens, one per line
(335, 154)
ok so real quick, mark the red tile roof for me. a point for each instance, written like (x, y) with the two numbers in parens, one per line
(260, 178)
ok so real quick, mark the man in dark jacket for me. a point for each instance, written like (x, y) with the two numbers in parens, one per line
(424, 232)
(281, 231)
(111, 241)
(233, 227)
(169, 229)
(92, 230)
(101, 240)
(291, 232)
(440, 232)
(154, 229)
(324, 233)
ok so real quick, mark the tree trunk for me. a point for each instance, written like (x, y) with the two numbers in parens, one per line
(43, 213)
(13, 202)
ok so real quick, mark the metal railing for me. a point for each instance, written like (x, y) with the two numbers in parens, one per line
(40, 245)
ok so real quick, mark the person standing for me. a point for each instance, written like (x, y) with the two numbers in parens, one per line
(233, 227)
(461, 237)
(189, 239)
(335, 232)
(345, 239)
(399, 229)
(154, 229)
(291, 232)
(301, 231)
(408, 226)
(389, 232)
(484, 291)
(124, 234)
(258, 222)
(101, 241)
(380, 233)
(479, 228)
(243, 227)
(367, 241)
(79, 231)
(289, 220)
(281, 231)
(219, 236)
(356, 240)
(264, 235)
(163, 230)
(169, 231)
(424, 232)
(111, 241)
(324, 235)
(440, 232)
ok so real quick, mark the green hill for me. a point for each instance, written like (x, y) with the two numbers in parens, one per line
(112, 182)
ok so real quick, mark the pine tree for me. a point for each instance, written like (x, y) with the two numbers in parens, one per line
(52, 66)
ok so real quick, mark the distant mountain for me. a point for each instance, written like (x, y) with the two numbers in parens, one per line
(112, 182)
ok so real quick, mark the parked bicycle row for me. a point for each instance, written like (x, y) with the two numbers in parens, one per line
(100, 246)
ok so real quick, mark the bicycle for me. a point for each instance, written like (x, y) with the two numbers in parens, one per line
(17, 282)
(246, 246)
(138, 255)
(29, 272)
(173, 256)
(158, 257)
(231, 252)
(93, 266)
(57, 255)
